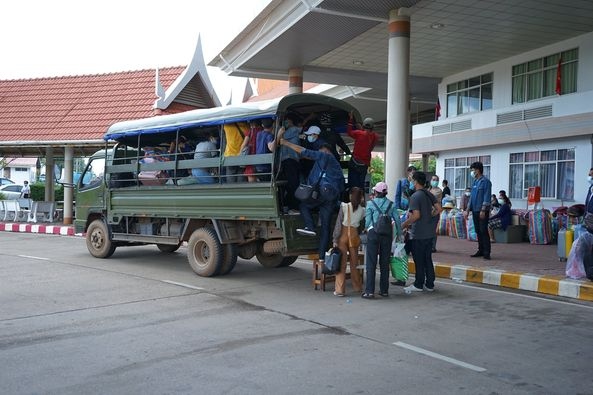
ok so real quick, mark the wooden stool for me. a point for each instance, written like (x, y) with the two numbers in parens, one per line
(320, 279)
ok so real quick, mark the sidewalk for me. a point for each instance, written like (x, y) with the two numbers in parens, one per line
(517, 265)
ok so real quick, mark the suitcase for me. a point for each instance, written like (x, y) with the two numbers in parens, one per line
(565, 239)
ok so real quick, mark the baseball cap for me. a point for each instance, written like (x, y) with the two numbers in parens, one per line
(313, 130)
(380, 187)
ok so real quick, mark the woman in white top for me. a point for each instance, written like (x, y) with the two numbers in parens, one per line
(347, 239)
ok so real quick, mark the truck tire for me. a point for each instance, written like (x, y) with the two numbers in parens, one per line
(274, 260)
(168, 248)
(97, 240)
(204, 252)
(230, 259)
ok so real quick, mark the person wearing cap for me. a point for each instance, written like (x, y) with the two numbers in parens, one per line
(364, 142)
(379, 245)
(403, 190)
(327, 172)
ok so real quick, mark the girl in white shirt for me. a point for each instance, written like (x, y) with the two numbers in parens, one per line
(347, 239)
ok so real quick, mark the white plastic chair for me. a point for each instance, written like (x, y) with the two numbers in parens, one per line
(11, 210)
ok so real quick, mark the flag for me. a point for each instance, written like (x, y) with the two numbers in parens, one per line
(559, 77)
(437, 110)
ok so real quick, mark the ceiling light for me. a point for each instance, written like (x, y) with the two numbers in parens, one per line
(358, 62)
(437, 26)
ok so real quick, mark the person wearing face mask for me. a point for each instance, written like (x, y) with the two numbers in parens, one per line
(438, 194)
(289, 161)
(403, 190)
(479, 206)
(312, 141)
(364, 142)
(502, 219)
(423, 207)
(205, 149)
(265, 144)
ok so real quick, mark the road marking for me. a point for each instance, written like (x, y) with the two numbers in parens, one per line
(183, 285)
(34, 257)
(541, 298)
(439, 356)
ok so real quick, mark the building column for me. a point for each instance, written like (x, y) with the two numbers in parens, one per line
(68, 187)
(397, 130)
(49, 175)
(295, 80)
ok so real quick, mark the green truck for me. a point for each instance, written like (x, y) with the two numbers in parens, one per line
(139, 190)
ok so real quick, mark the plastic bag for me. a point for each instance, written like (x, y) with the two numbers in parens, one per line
(399, 267)
(332, 261)
(575, 265)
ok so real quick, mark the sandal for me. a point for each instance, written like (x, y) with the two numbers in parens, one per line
(339, 294)
(367, 296)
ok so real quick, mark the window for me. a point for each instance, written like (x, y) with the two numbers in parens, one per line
(457, 172)
(21, 169)
(537, 78)
(552, 170)
(474, 94)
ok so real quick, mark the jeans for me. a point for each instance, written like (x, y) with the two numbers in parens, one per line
(290, 173)
(326, 209)
(203, 176)
(422, 255)
(356, 175)
(481, 226)
(377, 245)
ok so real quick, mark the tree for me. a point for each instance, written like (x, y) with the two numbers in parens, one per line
(377, 170)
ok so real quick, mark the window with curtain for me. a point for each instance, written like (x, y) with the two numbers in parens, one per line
(471, 95)
(457, 172)
(537, 78)
(552, 170)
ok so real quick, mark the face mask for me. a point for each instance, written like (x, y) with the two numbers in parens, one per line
(501, 201)
(285, 124)
(311, 138)
(590, 180)
(468, 193)
(473, 174)
(412, 186)
(434, 184)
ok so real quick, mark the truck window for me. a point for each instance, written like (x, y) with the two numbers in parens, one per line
(93, 174)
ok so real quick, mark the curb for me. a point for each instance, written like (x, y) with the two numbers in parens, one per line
(549, 285)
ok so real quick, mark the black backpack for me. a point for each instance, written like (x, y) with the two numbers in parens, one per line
(383, 226)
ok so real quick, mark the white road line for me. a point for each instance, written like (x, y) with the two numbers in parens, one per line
(34, 257)
(439, 356)
(541, 298)
(183, 285)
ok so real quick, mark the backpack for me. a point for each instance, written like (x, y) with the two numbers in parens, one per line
(383, 226)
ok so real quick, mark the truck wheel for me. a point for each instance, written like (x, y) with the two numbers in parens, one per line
(274, 260)
(230, 259)
(168, 248)
(204, 252)
(97, 240)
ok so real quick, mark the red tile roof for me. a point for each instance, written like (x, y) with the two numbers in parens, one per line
(272, 89)
(78, 107)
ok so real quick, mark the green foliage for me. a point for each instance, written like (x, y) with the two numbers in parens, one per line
(38, 192)
(432, 164)
(2, 196)
(377, 170)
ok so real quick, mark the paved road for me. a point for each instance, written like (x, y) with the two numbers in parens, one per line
(141, 322)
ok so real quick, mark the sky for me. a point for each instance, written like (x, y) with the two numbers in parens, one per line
(47, 38)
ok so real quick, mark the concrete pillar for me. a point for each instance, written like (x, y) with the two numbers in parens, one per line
(295, 80)
(68, 187)
(49, 175)
(397, 139)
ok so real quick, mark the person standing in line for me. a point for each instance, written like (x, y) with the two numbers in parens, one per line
(364, 143)
(379, 245)
(479, 206)
(422, 231)
(328, 174)
(446, 190)
(347, 239)
(438, 194)
(403, 192)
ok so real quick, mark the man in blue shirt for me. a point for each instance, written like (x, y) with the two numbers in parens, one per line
(479, 206)
(328, 173)
(289, 161)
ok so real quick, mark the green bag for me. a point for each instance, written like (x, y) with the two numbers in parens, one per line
(399, 267)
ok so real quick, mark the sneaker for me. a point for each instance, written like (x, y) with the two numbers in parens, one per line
(384, 294)
(338, 294)
(411, 288)
(306, 232)
(294, 212)
(428, 289)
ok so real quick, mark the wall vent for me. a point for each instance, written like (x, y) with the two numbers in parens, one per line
(524, 115)
(461, 125)
(439, 129)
